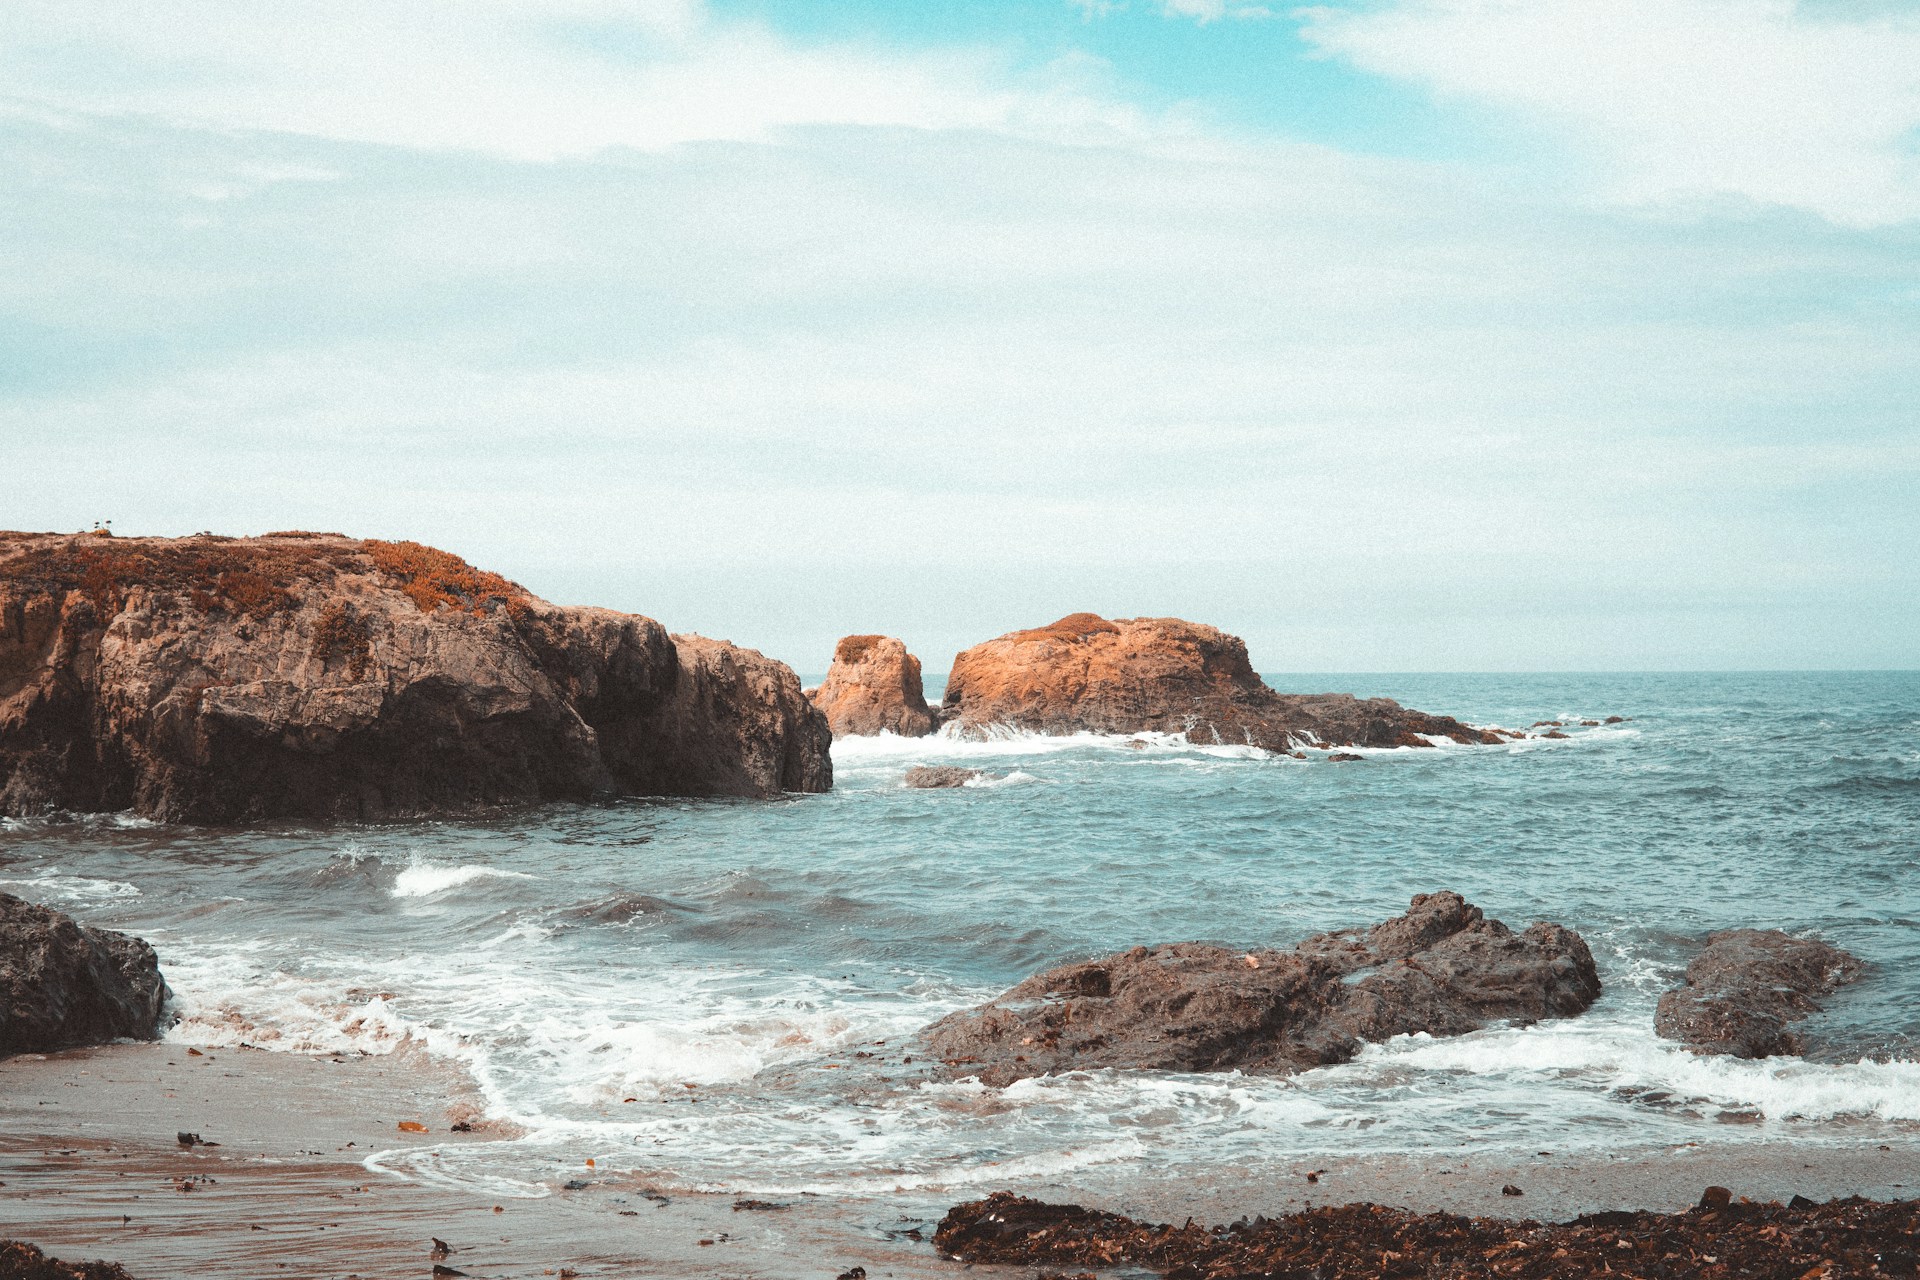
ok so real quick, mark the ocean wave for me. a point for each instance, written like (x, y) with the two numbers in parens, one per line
(421, 878)
(82, 889)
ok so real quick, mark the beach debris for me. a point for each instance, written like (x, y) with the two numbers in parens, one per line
(441, 1249)
(442, 1269)
(411, 1126)
(1716, 1198)
(195, 1053)
(852, 1273)
(1743, 989)
(648, 1193)
(460, 1126)
(756, 1206)
(186, 1139)
(1511, 1190)
(574, 1184)
(1842, 1238)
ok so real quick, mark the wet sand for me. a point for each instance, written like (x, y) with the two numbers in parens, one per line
(90, 1167)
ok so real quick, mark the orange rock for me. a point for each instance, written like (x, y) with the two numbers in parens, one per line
(1134, 675)
(874, 687)
(212, 679)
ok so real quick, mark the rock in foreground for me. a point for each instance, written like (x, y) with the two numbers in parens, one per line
(64, 985)
(1165, 675)
(874, 687)
(1441, 968)
(213, 679)
(1842, 1238)
(1742, 991)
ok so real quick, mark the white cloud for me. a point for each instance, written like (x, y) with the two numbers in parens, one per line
(532, 79)
(1678, 99)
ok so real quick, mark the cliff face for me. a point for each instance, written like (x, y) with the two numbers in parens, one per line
(1166, 675)
(874, 687)
(315, 676)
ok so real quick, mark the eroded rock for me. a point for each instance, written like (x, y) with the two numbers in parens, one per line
(64, 984)
(213, 679)
(874, 687)
(1441, 968)
(1742, 992)
(1137, 675)
(935, 777)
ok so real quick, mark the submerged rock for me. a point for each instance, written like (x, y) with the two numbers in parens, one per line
(933, 777)
(1742, 991)
(1441, 968)
(874, 687)
(213, 679)
(64, 984)
(1136, 675)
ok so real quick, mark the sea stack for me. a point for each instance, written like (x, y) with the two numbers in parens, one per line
(1135, 675)
(316, 676)
(874, 687)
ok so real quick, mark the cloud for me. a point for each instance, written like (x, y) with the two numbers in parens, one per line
(1205, 11)
(534, 79)
(1677, 100)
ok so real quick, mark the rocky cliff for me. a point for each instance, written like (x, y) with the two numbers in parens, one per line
(874, 687)
(213, 680)
(1133, 675)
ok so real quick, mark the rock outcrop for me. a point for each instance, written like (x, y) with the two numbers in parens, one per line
(64, 985)
(212, 680)
(1744, 989)
(1441, 968)
(934, 777)
(874, 687)
(1134, 675)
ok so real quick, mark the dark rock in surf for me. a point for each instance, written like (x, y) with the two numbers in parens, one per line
(22, 1261)
(1741, 993)
(1344, 757)
(64, 985)
(938, 777)
(1441, 968)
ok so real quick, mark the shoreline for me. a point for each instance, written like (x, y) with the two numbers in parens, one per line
(93, 1169)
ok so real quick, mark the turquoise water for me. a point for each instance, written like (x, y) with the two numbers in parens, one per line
(577, 957)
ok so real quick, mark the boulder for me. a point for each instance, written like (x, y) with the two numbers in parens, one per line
(64, 985)
(1743, 990)
(935, 777)
(315, 676)
(1441, 968)
(874, 687)
(1135, 675)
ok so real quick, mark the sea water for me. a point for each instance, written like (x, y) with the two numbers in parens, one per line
(678, 988)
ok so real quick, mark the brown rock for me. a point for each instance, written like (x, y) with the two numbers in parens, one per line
(22, 1261)
(216, 679)
(874, 687)
(1134, 675)
(1742, 991)
(64, 984)
(1192, 1006)
(1343, 757)
(934, 777)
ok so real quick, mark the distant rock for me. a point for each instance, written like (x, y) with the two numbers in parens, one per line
(1744, 989)
(1441, 968)
(1137, 675)
(1344, 757)
(64, 985)
(933, 777)
(874, 687)
(313, 676)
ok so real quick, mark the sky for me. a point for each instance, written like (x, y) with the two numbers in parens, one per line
(1391, 335)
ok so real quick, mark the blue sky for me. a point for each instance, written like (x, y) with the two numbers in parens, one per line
(1395, 335)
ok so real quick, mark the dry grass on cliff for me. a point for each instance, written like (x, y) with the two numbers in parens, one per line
(1073, 627)
(853, 648)
(252, 578)
(435, 579)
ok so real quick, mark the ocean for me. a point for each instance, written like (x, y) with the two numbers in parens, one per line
(678, 989)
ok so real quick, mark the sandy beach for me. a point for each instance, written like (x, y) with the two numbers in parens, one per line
(91, 1166)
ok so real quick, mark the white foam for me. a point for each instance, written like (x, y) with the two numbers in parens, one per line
(73, 888)
(421, 878)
